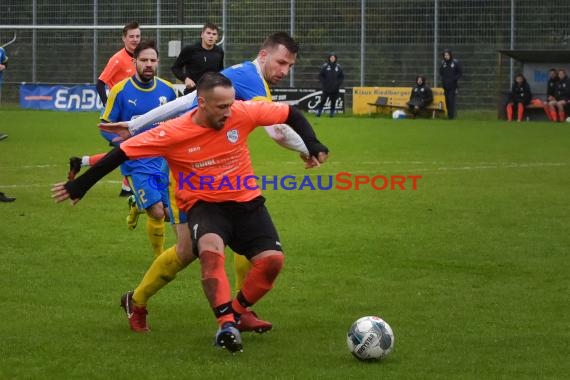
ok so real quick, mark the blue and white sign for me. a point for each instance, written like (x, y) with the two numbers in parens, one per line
(60, 98)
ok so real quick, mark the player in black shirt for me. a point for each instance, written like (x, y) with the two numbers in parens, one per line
(202, 57)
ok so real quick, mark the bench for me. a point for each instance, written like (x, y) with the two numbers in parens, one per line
(535, 104)
(534, 111)
(384, 103)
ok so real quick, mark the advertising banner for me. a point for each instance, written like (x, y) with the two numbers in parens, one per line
(60, 98)
(363, 98)
(306, 99)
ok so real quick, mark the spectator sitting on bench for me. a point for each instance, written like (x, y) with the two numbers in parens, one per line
(561, 97)
(421, 96)
(550, 91)
(520, 96)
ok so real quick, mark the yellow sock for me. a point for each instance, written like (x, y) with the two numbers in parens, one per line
(162, 270)
(242, 266)
(155, 231)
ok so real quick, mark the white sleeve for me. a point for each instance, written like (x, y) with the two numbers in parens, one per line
(285, 136)
(167, 111)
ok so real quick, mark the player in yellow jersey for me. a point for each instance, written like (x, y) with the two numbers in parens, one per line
(128, 99)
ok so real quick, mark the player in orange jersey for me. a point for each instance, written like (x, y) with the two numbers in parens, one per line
(251, 82)
(225, 212)
(120, 65)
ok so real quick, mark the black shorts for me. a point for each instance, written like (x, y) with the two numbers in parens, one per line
(245, 227)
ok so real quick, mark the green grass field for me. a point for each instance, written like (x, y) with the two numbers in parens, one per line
(471, 270)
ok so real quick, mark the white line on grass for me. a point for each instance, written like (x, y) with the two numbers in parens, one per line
(47, 185)
(313, 173)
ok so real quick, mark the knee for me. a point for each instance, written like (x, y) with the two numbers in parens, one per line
(184, 252)
(156, 211)
(271, 265)
(210, 242)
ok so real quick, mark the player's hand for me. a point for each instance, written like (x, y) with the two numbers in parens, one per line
(310, 162)
(189, 83)
(120, 128)
(59, 193)
(315, 162)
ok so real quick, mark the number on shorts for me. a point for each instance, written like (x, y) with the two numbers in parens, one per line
(142, 196)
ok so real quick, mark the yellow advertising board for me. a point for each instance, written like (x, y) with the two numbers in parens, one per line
(395, 97)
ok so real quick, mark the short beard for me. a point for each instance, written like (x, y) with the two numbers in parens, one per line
(146, 79)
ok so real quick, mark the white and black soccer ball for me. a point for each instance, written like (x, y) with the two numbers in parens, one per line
(370, 338)
(398, 114)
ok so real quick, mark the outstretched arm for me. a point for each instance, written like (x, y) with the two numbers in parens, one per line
(285, 136)
(167, 111)
(318, 152)
(76, 189)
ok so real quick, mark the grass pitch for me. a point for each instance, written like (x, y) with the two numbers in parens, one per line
(470, 270)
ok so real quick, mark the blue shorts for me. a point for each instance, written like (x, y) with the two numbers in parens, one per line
(177, 216)
(148, 189)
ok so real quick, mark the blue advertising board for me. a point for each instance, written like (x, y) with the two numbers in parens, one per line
(60, 98)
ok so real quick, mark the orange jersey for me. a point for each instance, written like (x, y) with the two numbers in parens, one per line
(119, 67)
(209, 165)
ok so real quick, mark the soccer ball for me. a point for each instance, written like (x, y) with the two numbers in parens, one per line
(398, 114)
(370, 338)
